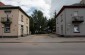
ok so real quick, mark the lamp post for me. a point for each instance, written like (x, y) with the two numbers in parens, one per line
(2, 30)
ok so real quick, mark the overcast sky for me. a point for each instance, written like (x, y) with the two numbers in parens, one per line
(56, 5)
(46, 6)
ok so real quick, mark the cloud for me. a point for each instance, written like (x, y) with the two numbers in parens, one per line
(48, 7)
(30, 5)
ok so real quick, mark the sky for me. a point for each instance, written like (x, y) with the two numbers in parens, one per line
(48, 7)
(56, 5)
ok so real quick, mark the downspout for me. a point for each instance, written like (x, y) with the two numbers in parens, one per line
(65, 22)
(18, 25)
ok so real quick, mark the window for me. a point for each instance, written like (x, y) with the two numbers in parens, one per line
(76, 29)
(57, 20)
(27, 30)
(57, 30)
(61, 18)
(27, 20)
(12, 15)
(22, 18)
(7, 29)
(22, 29)
(75, 13)
(61, 29)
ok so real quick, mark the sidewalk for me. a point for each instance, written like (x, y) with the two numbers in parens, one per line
(14, 40)
(42, 39)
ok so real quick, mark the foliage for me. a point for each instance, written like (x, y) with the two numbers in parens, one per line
(40, 25)
(38, 22)
(52, 24)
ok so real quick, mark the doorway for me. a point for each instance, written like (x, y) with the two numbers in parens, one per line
(62, 30)
(22, 30)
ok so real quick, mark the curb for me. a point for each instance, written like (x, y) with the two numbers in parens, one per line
(49, 42)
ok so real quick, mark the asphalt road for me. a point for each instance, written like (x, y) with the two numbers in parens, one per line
(42, 48)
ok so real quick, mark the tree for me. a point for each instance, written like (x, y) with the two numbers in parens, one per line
(52, 23)
(31, 25)
(38, 22)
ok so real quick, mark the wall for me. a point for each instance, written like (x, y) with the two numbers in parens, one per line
(24, 23)
(59, 23)
(82, 2)
(14, 28)
(69, 28)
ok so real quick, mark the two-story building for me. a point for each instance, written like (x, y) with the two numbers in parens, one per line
(14, 22)
(70, 21)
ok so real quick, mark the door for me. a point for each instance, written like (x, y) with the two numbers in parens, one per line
(61, 29)
(21, 30)
(27, 30)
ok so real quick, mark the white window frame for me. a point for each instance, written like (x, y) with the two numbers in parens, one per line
(75, 13)
(76, 29)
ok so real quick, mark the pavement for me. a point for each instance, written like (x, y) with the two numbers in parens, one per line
(43, 38)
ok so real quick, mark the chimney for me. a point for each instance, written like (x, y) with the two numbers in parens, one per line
(2, 4)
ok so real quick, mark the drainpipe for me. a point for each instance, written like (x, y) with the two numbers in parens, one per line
(65, 22)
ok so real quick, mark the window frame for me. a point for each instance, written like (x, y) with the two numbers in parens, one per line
(75, 12)
(78, 31)
(62, 18)
(7, 27)
(27, 20)
(22, 18)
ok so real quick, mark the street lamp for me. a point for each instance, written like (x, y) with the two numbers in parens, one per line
(2, 30)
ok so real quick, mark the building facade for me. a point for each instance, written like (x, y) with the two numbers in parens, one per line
(70, 21)
(82, 2)
(14, 22)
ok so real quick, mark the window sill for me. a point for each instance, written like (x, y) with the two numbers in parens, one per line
(6, 32)
(76, 32)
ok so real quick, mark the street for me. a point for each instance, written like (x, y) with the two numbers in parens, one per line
(42, 48)
(42, 45)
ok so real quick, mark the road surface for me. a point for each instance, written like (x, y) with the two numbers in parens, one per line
(42, 45)
(42, 48)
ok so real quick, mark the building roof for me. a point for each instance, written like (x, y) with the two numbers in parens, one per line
(77, 4)
(2, 4)
(71, 6)
(7, 6)
(12, 7)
